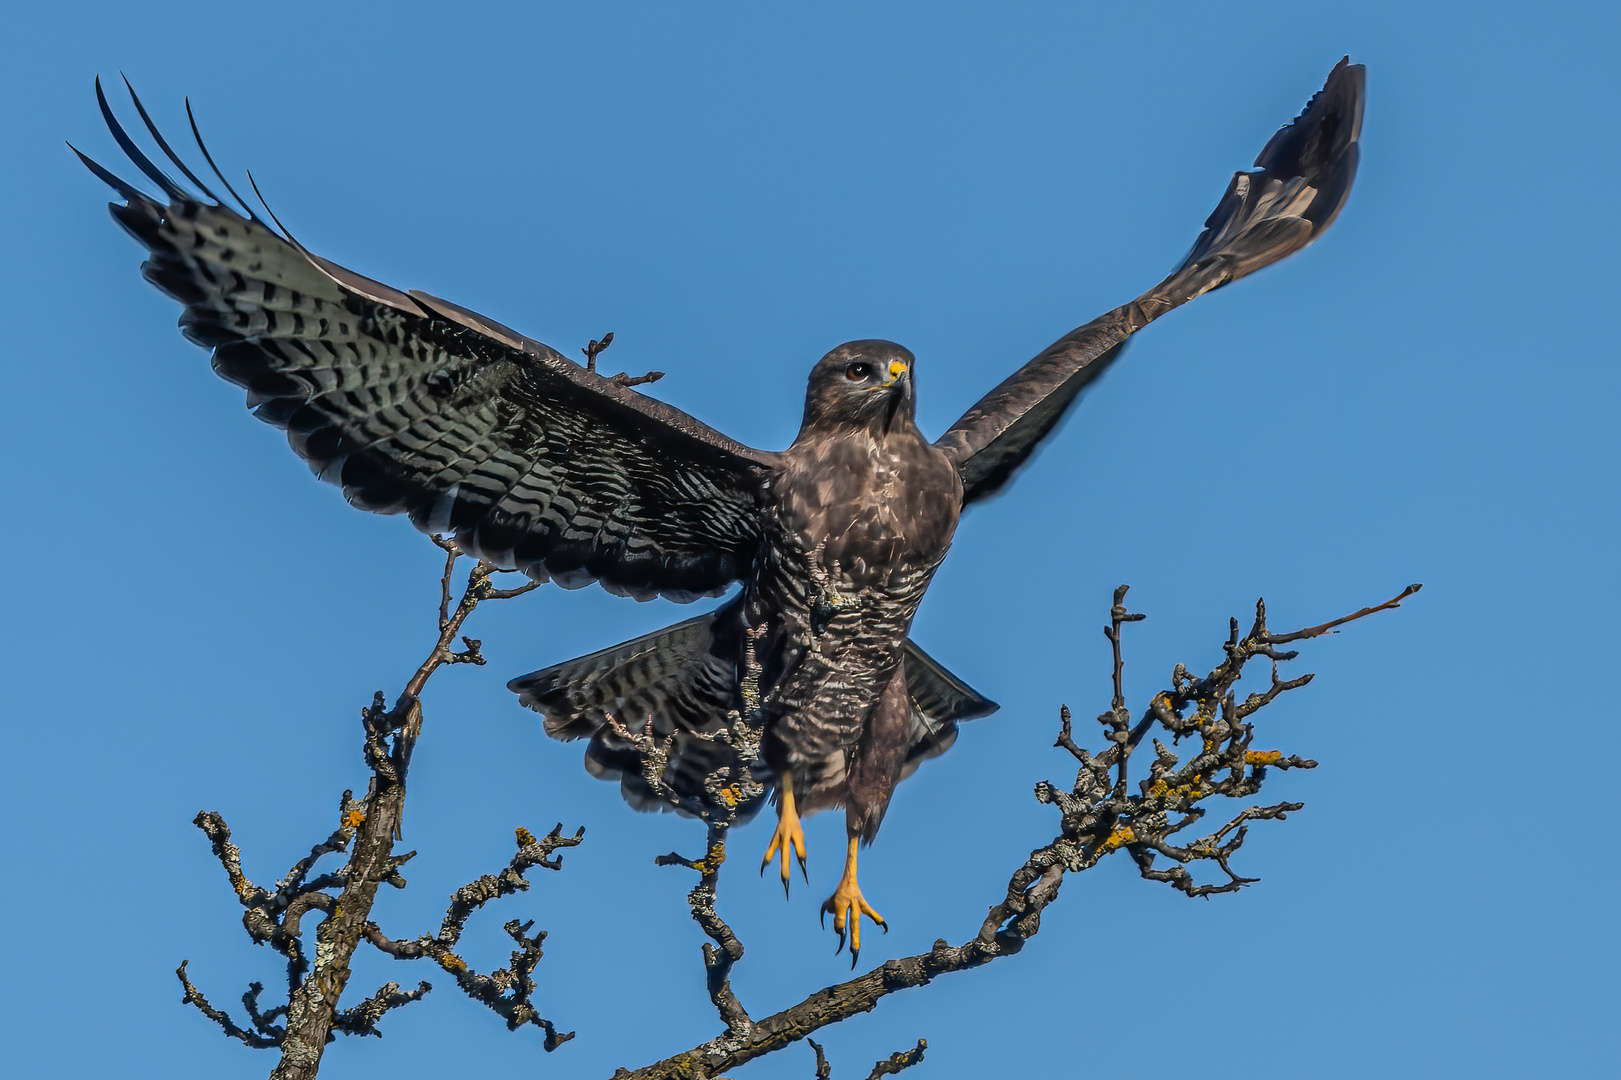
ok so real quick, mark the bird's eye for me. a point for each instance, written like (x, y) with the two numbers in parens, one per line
(857, 371)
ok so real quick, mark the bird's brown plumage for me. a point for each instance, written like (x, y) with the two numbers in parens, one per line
(415, 405)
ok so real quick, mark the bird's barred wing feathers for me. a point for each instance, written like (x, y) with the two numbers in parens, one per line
(414, 405)
(1304, 175)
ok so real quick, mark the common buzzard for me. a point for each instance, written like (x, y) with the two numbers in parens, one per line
(536, 463)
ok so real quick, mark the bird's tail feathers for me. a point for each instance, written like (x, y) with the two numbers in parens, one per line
(669, 684)
(940, 700)
(678, 685)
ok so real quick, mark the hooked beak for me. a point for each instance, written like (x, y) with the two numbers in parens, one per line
(897, 393)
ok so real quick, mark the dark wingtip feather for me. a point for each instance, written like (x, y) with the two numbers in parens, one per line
(163, 144)
(131, 193)
(198, 135)
(134, 153)
(285, 231)
(1329, 125)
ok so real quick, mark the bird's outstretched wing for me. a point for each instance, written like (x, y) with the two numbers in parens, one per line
(417, 406)
(1304, 175)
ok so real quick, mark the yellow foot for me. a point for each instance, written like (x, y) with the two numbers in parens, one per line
(789, 837)
(847, 905)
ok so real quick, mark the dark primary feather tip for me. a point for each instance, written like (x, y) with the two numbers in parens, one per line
(106, 177)
(173, 190)
(1329, 125)
(285, 232)
(197, 134)
(163, 144)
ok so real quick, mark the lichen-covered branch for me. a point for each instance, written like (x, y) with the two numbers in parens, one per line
(1099, 815)
(507, 991)
(728, 788)
(362, 1019)
(367, 830)
(902, 1059)
(264, 1035)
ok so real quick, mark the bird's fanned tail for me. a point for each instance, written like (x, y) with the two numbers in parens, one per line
(680, 681)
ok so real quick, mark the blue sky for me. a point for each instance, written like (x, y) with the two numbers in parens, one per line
(1427, 395)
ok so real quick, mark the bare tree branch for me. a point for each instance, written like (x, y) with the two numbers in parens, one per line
(362, 1019)
(1098, 816)
(367, 829)
(596, 349)
(507, 991)
(1101, 812)
(824, 1071)
(903, 1059)
(193, 996)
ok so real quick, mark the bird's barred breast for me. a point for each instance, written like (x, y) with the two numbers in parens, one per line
(859, 528)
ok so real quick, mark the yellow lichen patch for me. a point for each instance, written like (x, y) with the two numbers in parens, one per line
(1189, 790)
(1118, 839)
(712, 860)
(730, 795)
(239, 884)
(353, 819)
(452, 963)
(525, 837)
(1263, 757)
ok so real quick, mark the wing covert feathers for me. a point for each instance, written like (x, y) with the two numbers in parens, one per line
(1303, 177)
(418, 406)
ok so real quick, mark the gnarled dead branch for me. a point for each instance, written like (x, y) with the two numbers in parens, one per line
(368, 828)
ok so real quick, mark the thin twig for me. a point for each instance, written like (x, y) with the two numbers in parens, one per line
(596, 349)
(1315, 631)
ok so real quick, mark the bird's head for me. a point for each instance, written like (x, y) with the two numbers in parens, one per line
(861, 384)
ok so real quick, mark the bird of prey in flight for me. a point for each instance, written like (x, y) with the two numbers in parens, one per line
(415, 405)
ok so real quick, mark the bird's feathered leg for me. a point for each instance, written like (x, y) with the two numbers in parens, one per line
(873, 771)
(789, 837)
(847, 905)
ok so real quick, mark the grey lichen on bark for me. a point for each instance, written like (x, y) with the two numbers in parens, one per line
(368, 829)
